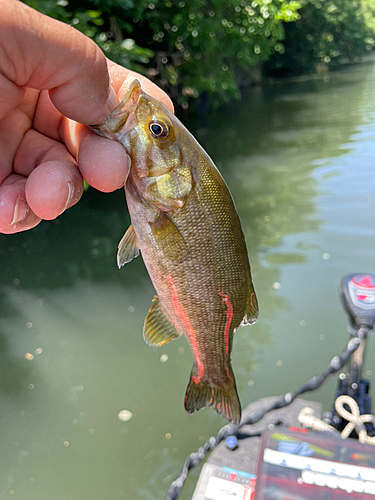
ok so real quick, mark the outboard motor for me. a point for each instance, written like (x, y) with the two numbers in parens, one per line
(357, 292)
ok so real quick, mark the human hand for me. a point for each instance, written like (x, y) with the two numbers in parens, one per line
(51, 77)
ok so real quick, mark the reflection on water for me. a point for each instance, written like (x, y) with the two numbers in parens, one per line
(298, 159)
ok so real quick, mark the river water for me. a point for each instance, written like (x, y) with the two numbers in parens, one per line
(299, 160)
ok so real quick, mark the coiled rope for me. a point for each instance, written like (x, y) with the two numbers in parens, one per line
(286, 399)
(355, 420)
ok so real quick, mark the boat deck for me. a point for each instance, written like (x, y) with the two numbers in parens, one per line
(241, 463)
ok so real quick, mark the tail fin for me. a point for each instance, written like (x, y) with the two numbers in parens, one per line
(223, 398)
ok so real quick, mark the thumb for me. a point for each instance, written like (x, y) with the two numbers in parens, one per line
(45, 54)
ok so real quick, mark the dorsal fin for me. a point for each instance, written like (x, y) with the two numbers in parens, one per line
(252, 310)
(127, 248)
(158, 330)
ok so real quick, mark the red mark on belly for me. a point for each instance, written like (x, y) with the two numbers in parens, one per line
(181, 313)
(229, 315)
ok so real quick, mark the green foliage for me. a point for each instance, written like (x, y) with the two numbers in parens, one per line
(328, 32)
(195, 48)
(204, 46)
(189, 47)
(104, 22)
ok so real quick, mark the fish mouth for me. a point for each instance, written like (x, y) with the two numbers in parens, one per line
(122, 119)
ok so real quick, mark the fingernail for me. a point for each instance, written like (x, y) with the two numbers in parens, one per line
(20, 211)
(112, 100)
(70, 194)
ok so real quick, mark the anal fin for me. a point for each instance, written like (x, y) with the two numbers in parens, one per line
(127, 248)
(158, 330)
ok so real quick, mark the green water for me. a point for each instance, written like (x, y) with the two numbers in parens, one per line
(299, 159)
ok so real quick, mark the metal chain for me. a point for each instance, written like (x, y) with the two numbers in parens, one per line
(286, 399)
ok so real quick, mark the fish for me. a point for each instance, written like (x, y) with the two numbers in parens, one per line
(185, 224)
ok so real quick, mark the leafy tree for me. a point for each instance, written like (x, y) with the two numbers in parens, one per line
(106, 22)
(205, 46)
(328, 32)
(188, 47)
(201, 48)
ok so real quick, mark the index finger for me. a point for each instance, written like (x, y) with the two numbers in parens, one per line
(48, 119)
(45, 54)
(103, 162)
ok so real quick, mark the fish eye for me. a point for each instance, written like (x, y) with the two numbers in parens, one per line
(158, 129)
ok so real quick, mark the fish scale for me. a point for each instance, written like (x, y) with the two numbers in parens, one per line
(186, 226)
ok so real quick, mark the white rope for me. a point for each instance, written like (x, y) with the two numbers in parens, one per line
(355, 421)
(308, 419)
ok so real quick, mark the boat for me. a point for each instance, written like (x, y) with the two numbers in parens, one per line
(288, 448)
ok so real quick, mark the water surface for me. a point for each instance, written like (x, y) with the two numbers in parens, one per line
(299, 160)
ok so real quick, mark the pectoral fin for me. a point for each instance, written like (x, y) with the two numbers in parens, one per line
(127, 248)
(158, 330)
(165, 229)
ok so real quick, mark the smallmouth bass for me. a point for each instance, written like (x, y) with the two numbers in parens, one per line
(185, 224)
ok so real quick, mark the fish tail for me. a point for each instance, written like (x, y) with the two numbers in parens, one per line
(223, 398)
